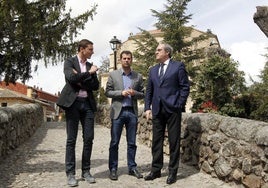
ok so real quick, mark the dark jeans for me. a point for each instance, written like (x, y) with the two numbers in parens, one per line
(79, 111)
(128, 118)
(173, 123)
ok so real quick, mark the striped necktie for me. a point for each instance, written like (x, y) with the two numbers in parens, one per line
(161, 74)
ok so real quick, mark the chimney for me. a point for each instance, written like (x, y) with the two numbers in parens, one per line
(29, 92)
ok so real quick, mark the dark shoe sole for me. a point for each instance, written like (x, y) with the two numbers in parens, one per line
(138, 177)
(113, 178)
(171, 182)
(146, 178)
(89, 181)
(75, 185)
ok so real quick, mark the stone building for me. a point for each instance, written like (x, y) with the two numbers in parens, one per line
(19, 93)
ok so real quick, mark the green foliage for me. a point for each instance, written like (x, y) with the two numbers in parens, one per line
(219, 81)
(232, 110)
(36, 30)
(105, 65)
(171, 21)
(259, 93)
(144, 54)
(102, 98)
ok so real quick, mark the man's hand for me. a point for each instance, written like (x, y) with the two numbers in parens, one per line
(93, 69)
(127, 92)
(131, 92)
(148, 114)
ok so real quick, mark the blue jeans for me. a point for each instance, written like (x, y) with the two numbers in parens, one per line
(79, 111)
(128, 118)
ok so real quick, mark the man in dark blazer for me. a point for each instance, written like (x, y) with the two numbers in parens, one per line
(77, 100)
(166, 94)
(125, 87)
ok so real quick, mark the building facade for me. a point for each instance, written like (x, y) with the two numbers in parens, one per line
(18, 93)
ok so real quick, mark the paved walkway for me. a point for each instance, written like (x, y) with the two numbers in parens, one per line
(40, 163)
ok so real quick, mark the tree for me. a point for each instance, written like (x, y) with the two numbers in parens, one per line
(104, 68)
(105, 65)
(103, 100)
(36, 30)
(217, 84)
(172, 22)
(259, 93)
(145, 52)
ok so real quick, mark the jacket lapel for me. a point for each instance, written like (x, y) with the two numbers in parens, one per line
(120, 79)
(76, 64)
(169, 67)
(134, 79)
(157, 73)
(88, 65)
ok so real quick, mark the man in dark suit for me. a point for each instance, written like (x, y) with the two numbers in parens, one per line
(77, 100)
(166, 93)
(125, 87)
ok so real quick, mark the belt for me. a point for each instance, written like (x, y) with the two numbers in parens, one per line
(81, 99)
(127, 107)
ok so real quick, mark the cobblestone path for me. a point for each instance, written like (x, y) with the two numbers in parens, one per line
(39, 163)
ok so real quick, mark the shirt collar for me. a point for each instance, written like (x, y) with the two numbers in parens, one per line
(80, 60)
(166, 62)
(123, 73)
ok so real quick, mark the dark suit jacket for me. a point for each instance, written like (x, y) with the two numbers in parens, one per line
(115, 86)
(172, 91)
(75, 82)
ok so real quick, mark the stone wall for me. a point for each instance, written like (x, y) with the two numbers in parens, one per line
(17, 124)
(231, 149)
(261, 18)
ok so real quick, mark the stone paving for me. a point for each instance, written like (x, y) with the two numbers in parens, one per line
(39, 163)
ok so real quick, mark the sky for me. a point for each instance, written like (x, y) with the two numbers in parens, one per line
(231, 20)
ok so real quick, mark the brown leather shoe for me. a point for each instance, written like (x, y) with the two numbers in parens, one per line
(152, 176)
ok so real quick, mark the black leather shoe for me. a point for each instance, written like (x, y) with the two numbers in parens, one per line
(113, 175)
(72, 182)
(135, 173)
(152, 176)
(172, 178)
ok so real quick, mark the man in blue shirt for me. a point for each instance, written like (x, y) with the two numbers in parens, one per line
(125, 87)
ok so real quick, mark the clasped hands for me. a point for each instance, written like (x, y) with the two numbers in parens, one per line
(127, 92)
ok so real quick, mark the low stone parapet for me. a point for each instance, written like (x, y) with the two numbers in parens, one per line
(231, 149)
(17, 124)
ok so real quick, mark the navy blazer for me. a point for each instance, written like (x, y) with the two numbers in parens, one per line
(76, 81)
(172, 91)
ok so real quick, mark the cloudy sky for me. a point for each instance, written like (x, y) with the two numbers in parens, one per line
(231, 20)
